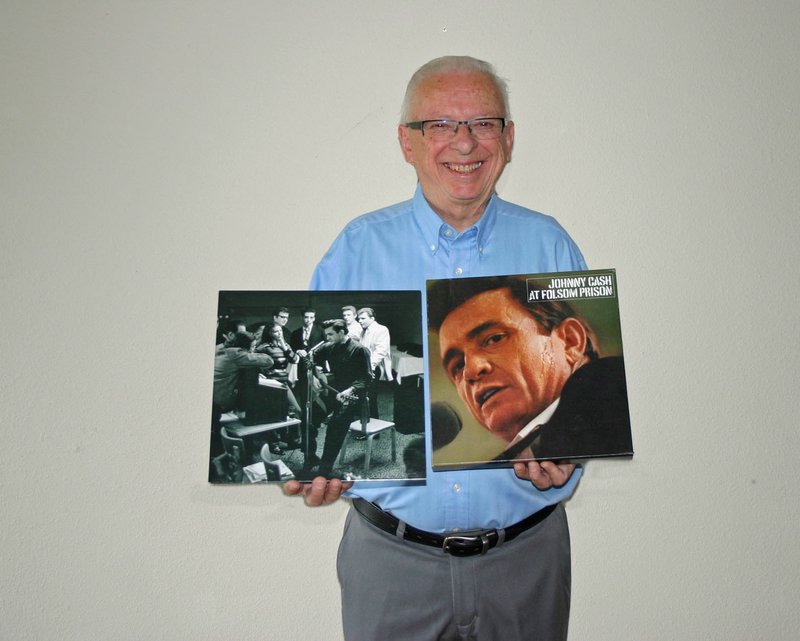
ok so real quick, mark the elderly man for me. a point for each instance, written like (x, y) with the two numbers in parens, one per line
(456, 132)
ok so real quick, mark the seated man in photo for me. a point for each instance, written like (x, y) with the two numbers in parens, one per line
(229, 363)
(349, 364)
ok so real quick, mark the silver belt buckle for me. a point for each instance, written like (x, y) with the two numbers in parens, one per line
(483, 538)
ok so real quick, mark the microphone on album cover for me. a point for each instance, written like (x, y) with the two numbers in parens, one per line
(445, 424)
(317, 347)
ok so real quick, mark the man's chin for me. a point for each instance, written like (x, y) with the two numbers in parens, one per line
(503, 429)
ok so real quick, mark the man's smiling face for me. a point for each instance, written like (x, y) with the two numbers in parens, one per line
(505, 370)
(457, 174)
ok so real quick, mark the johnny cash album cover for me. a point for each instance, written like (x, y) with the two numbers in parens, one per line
(310, 383)
(526, 367)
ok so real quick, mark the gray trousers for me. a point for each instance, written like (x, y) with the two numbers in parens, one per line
(403, 591)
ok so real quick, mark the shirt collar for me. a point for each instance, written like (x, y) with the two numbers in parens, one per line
(537, 422)
(432, 226)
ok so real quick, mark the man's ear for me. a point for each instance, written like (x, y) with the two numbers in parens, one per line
(509, 135)
(405, 143)
(572, 334)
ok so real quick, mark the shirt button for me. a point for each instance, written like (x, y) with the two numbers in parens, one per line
(448, 232)
(433, 248)
(459, 271)
(456, 487)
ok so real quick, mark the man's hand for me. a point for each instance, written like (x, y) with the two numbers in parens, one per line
(320, 491)
(546, 474)
(345, 395)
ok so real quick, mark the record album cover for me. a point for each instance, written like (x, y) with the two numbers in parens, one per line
(526, 367)
(310, 383)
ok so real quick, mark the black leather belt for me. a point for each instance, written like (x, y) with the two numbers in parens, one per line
(457, 544)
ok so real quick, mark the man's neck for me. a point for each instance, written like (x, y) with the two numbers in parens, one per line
(462, 217)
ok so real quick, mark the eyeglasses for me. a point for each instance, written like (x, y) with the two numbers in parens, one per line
(481, 128)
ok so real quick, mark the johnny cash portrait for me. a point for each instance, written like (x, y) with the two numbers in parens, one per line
(526, 367)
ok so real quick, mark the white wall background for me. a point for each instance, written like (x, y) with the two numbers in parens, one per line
(156, 152)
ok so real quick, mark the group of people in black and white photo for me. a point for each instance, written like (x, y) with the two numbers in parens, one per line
(330, 372)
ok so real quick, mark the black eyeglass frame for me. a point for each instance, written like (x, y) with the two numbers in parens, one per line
(420, 124)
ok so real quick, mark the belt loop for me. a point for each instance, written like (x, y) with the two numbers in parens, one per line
(401, 529)
(501, 536)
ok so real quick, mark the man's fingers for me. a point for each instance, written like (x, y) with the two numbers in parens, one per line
(290, 488)
(546, 474)
(314, 492)
(521, 470)
(320, 491)
(558, 472)
(532, 471)
(334, 490)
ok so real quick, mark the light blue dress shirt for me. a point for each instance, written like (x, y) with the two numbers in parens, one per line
(401, 246)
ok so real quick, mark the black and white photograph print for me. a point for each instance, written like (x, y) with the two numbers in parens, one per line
(317, 383)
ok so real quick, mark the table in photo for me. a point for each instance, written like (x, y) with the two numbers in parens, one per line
(404, 364)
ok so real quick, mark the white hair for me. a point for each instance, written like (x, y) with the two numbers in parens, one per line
(457, 65)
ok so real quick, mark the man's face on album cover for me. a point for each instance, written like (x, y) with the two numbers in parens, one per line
(505, 368)
(308, 318)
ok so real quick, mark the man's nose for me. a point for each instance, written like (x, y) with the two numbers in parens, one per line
(463, 140)
(476, 366)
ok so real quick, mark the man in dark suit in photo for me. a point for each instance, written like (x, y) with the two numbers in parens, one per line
(309, 334)
(280, 317)
(304, 338)
(349, 364)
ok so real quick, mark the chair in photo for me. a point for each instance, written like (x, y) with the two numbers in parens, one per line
(271, 464)
(234, 458)
(368, 428)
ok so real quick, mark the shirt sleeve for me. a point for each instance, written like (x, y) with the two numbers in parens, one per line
(331, 272)
(248, 359)
(568, 256)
